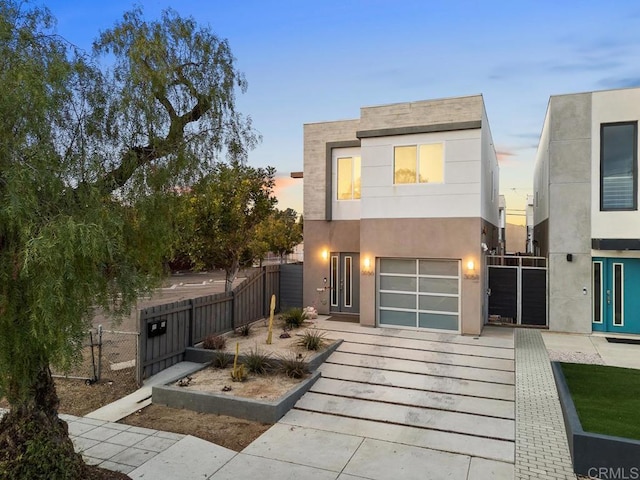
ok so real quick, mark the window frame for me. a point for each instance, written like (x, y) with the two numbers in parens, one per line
(353, 177)
(417, 163)
(634, 207)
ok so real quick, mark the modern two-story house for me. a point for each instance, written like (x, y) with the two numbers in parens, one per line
(400, 206)
(586, 211)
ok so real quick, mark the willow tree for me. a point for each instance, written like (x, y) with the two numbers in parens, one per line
(88, 158)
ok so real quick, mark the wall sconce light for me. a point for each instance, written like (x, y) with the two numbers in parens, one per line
(325, 254)
(367, 266)
(470, 271)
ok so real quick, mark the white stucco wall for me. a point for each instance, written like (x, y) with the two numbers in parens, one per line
(541, 176)
(490, 174)
(458, 196)
(607, 107)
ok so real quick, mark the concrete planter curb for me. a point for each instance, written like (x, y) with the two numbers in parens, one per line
(240, 407)
(594, 454)
(202, 355)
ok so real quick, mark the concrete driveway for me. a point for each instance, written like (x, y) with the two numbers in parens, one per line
(403, 404)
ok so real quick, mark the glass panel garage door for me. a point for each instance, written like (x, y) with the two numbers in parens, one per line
(419, 293)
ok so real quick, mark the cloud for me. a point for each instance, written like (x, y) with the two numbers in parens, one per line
(283, 182)
(585, 65)
(504, 156)
(619, 82)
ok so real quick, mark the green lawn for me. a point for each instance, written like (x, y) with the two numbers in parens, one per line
(607, 398)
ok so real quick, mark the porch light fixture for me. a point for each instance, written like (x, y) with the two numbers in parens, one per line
(367, 266)
(470, 272)
(325, 254)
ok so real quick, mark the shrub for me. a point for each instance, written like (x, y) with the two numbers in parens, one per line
(215, 342)
(258, 361)
(312, 339)
(293, 365)
(293, 318)
(221, 360)
(243, 330)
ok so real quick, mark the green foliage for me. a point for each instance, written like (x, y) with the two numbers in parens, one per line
(293, 365)
(312, 339)
(258, 361)
(90, 159)
(221, 359)
(279, 233)
(215, 342)
(243, 330)
(218, 218)
(293, 317)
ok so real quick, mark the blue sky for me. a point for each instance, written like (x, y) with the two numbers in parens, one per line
(310, 61)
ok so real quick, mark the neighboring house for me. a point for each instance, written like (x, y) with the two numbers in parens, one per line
(397, 207)
(586, 211)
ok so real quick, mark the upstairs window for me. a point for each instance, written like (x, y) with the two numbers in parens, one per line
(418, 164)
(619, 166)
(348, 178)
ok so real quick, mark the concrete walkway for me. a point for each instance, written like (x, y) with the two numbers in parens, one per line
(541, 440)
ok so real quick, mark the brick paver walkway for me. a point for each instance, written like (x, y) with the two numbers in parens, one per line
(541, 441)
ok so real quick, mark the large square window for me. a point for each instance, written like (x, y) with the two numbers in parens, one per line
(348, 178)
(418, 164)
(619, 166)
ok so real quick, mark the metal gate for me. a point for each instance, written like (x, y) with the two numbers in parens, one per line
(517, 290)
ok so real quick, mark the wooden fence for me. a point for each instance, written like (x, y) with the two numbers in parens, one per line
(167, 330)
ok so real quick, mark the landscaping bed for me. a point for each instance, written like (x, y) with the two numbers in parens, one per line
(276, 374)
(600, 406)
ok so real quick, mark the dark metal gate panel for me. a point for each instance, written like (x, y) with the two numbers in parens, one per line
(534, 296)
(291, 285)
(503, 284)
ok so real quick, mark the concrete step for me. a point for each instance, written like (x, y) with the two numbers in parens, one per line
(418, 381)
(505, 340)
(492, 449)
(433, 346)
(412, 366)
(416, 398)
(428, 356)
(463, 423)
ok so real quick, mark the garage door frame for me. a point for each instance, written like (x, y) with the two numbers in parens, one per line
(418, 275)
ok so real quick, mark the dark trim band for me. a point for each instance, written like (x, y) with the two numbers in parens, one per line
(438, 127)
(328, 161)
(615, 243)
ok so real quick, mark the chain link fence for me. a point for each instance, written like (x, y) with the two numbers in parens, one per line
(106, 356)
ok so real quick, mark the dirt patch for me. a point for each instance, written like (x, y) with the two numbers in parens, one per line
(218, 380)
(78, 398)
(229, 432)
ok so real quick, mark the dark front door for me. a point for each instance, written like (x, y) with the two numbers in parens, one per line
(345, 282)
